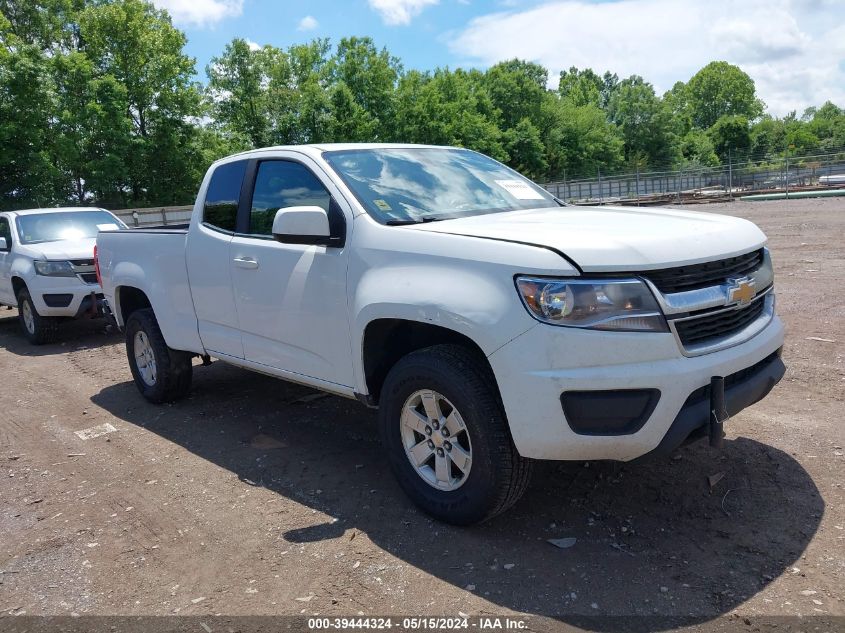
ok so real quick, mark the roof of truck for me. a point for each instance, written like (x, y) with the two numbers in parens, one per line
(317, 148)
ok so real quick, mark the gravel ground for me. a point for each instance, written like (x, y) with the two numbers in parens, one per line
(257, 497)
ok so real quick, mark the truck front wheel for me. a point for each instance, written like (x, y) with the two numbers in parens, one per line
(447, 438)
(161, 374)
(36, 328)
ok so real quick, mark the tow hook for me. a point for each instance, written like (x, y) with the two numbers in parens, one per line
(206, 360)
(718, 411)
(93, 311)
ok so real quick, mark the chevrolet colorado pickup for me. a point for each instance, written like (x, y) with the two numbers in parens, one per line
(47, 266)
(489, 323)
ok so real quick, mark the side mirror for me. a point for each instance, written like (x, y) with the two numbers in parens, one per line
(301, 225)
(4, 246)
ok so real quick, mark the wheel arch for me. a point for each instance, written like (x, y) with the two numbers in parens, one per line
(18, 284)
(387, 340)
(129, 299)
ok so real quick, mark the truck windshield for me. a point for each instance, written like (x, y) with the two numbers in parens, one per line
(409, 185)
(65, 225)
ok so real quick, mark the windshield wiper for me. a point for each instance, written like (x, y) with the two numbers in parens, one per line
(422, 220)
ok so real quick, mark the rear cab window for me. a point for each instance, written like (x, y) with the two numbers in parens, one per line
(220, 209)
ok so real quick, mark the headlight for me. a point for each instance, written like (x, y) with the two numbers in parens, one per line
(599, 304)
(54, 269)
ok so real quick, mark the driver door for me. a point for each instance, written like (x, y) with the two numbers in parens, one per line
(291, 298)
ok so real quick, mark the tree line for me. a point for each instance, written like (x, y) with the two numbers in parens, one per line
(100, 104)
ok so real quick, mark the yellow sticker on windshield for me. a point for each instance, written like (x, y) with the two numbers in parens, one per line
(382, 204)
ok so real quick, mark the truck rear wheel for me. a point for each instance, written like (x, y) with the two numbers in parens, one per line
(447, 438)
(36, 328)
(161, 374)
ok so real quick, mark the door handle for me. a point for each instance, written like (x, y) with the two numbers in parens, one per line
(246, 262)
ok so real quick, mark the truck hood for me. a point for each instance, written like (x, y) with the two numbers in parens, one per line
(61, 250)
(612, 239)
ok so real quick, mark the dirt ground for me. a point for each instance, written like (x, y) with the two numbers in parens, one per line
(255, 496)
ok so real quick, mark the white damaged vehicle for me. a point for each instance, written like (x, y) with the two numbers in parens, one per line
(489, 323)
(47, 266)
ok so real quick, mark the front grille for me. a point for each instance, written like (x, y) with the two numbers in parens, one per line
(89, 278)
(697, 276)
(718, 324)
(81, 262)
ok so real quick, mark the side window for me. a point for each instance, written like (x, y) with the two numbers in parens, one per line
(221, 199)
(281, 183)
(6, 231)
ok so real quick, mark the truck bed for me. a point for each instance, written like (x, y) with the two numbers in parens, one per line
(151, 260)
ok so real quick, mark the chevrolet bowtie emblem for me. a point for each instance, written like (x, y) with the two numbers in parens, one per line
(741, 291)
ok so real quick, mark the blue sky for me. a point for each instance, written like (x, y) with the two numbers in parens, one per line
(794, 49)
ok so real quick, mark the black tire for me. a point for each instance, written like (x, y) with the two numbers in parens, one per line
(40, 330)
(498, 475)
(173, 368)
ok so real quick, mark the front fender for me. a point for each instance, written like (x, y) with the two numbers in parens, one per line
(461, 283)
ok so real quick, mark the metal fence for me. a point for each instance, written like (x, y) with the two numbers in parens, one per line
(155, 216)
(656, 187)
(704, 183)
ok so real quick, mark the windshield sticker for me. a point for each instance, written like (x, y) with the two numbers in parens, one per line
(382, 205)
(519, 190)
(108, 227)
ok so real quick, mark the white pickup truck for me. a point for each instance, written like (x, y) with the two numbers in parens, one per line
(47, 266)
(489, 323)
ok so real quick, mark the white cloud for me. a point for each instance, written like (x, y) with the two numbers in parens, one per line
(793, 49)
(253, 46)
(308, 23)
(201, 13)
(400, 12)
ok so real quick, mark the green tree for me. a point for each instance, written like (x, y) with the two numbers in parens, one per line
(49, 25)
(768, 136)
(350, 122)
(721, 89)
(449, 108)
(828, 125)
(730, 133)
(585, 87)
(517, 89)
(371, 76)
(646, 124)
(579, 140)
(27, 175)
(137, 44)
(238, 98)
(298, 94)
(697, 150)
(526, 150)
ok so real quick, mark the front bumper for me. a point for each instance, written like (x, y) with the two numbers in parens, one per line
(534, 369)
(65, 297)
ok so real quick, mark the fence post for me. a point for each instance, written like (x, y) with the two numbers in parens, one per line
(680, 178)
(601, 196)
(730, 176)
(638, 185)
(786, 178)
(163, 216)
